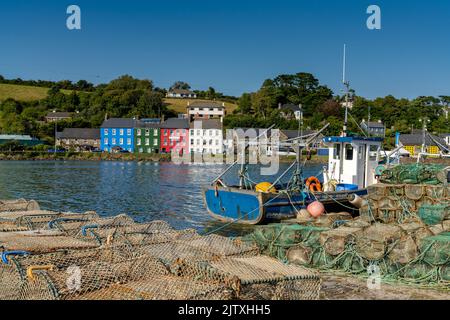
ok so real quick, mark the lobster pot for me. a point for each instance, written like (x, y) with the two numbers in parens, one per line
(414, 192)
(404, 251)
(434, 214)
(257, 277)
(435, 192)
(373, 242)
(41, 241)
(436, 249)
(395, 190)
(18, 205)
(377, 191)
(389, 203)
(334, 241)
(389, 215)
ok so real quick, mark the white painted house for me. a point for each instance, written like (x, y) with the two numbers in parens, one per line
(181, 93)
(201, 110)
(206, 137)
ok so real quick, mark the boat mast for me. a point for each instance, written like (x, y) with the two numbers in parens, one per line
(347, 89)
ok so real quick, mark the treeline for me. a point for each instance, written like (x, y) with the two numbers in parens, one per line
(122, 97)
(321, 106)
(81, 85)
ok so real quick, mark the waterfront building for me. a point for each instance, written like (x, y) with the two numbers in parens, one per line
(201, 110)
(414, 142)
(374, 128)
(58, 116)
(147, 137)
(80, 139)
(117, 134)
(206, 136)
(181, 93)
(175, 136)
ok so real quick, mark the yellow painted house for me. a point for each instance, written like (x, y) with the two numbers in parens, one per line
(413, 143)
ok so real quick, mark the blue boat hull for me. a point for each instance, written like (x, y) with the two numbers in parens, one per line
(231, 204)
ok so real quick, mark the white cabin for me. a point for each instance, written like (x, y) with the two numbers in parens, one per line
(352, 160)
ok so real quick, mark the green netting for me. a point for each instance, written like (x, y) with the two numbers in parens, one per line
(433, 214)
(413, 174)
(436, 249)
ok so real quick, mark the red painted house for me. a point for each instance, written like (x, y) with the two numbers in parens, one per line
(175, 136)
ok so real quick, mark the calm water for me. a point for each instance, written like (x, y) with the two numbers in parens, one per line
(145, 191)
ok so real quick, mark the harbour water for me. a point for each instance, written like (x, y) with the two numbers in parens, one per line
(145, 191)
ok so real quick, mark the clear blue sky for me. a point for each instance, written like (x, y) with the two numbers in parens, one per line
(232, 45)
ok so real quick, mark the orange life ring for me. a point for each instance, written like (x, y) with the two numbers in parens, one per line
(313, 184)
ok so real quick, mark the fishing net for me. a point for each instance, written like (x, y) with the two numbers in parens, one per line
(18, 205)
(404, 251)
(430, 174)
(332, 219)
(334, 241)
(436, 249)
(434, 214)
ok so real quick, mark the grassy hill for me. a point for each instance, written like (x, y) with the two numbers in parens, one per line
(179, 105)
(29, 93)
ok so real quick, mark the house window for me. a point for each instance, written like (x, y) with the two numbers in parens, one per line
(141, 150)
(155, 142)
(147, 141)
(138, 132)
(348, 152)
(139, 142)
(121, 141)
(128, 132)
(105, 141)
(113, 131)
(147, 132)
(192, 141)
(192, 132)
(121, 132)
(113, 141)
(105, 131)
(128, 141)
(155, 132)
(373, 151)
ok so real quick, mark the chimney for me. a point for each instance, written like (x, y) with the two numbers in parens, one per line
(106, 116)
(223, 104)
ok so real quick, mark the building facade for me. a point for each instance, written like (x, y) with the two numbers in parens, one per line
(24, 140)
(181, 93)
(174, 135)
(117, 134)
(202, 110)
(206, 136)
(290, 111)
(80, 139)
(147, 138)
(58, 116)
(414, 143)
(374, 129)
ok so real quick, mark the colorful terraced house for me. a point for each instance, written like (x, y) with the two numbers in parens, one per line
(147, 137)
(175, 136)
(117, 134)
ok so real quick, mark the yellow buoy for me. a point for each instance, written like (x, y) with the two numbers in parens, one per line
(265, 187)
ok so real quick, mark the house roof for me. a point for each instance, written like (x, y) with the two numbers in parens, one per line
(416, 139)
(59, 115)
(79, 133)
(119, 123)
(291, 134)
(205, 104)
(290, 106)
(244, 132)
(373, 124)
(206, 124)
(175, 123)
(181, 91)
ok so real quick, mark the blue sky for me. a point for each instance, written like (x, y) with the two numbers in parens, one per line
(232, 45)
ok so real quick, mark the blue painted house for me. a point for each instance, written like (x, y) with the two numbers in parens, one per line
(116, 134)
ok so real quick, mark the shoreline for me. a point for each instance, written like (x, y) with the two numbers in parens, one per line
(88, 156)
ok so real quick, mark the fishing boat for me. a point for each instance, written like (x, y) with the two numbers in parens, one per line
(352, 167)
